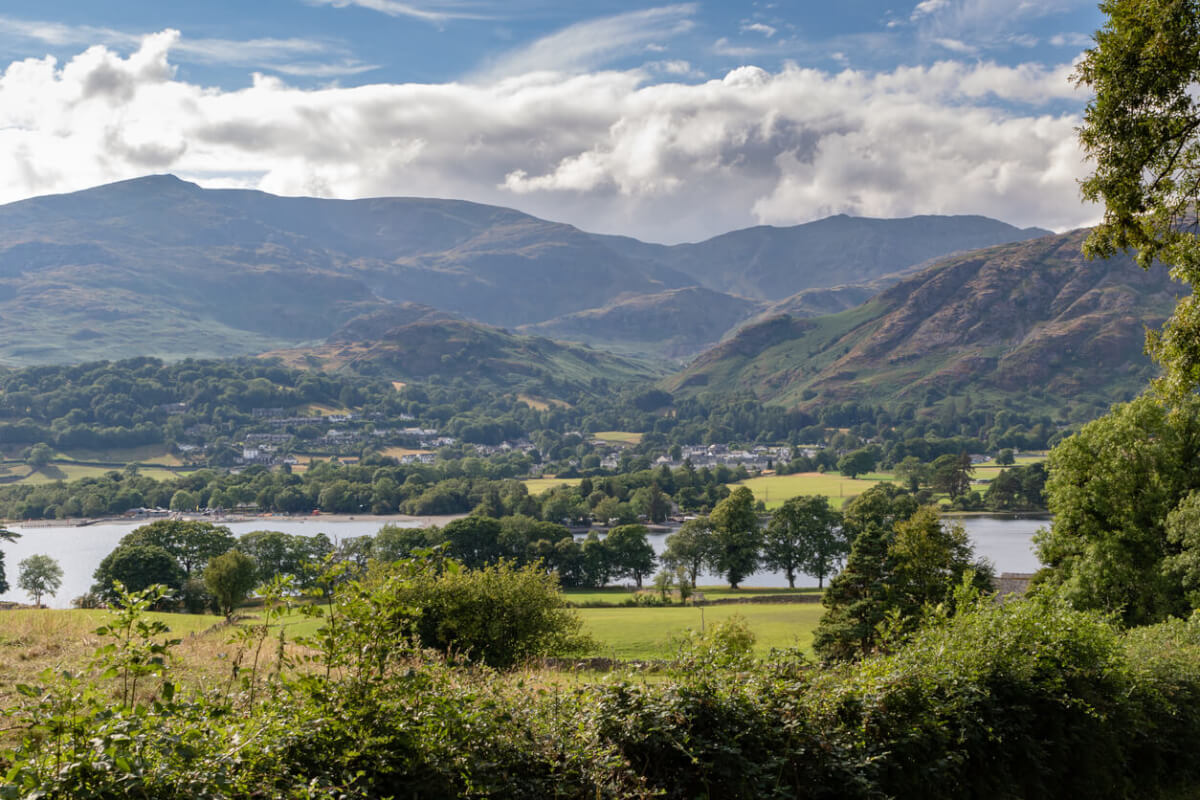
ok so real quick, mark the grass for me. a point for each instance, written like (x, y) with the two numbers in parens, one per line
(626, 633)
(72, 472)
(147, 454)
(397, 452)
(618, 437)
(775, 489)
(32, 640)
(538, 485)
(614, 596)
(542, 403)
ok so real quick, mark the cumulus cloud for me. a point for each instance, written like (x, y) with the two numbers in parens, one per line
(609, 151)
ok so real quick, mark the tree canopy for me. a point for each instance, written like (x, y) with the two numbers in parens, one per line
(1142, 133)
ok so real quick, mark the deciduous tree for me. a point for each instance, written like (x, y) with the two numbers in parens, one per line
(804, 535)
(39, 575)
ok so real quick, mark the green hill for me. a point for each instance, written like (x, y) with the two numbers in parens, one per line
(447, 349)
(1032, 320)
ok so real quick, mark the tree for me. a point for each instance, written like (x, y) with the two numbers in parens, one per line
(1111, 489)
(805, 534)
(473, 540)
(230, 577)
(5, 536)
(736, 538)
(1142, 133)
(856, 463)
(500, 615)
(1006, 457)
(952, 474)
(281, 554)
(856, 601)
(630, 552)
(137, 566)
(899, 566)
(191, 542)
(184, 500)
(690, 547)
(39, 575)
(928, 560)
(912, 473)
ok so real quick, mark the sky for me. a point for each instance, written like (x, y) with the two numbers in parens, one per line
(670, 122)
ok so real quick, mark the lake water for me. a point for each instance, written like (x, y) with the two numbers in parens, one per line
(1004, 541)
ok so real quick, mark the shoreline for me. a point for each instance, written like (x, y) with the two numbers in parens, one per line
(424, 521)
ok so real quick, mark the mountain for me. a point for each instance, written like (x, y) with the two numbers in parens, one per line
(1033, 318)
(675, 323)
(158, 266)
(769, 263)
(434, 346)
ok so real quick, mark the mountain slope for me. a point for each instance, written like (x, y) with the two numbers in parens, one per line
(1034, 317)
(159, 266)
(438, 348)
(675, 323)
(769, 263)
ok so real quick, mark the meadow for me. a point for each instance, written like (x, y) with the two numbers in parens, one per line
(774, 490)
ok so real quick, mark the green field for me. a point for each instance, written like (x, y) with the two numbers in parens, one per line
(538, 485)
(625, 633)
(618, 437)
(775, 489)
(72, 472)
(615, 596)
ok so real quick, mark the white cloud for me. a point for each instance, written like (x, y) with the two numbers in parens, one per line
(590, 44)
(1072, 40)
(927, 7)
(759, 27)
(607, 151)
(984, 23)
(268, 53)
(436, 12)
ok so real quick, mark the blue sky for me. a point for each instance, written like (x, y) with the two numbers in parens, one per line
(669, 122)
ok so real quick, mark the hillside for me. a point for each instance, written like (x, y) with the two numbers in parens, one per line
(158, 266)
(446, 349)
(673, 324)
(769, 263)
(1032, 319)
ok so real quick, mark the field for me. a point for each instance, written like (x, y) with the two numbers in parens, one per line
(618, 437)
(397, 452)
(626, 633)
(64, 471)
(987, 470)
(615, 596)
(33, 639)
(538, 485)
(775, 489)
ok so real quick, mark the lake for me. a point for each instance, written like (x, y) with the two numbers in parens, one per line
(1005, 541)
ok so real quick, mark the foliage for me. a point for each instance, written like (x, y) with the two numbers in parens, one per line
(690, 547)
(500, 615)
(1112, 487)
(1142, 131)
(805, 534)
(137, 567)
(630, 552)
(5, 536)
(39, 575)
(230, 577)
(904, 562)
(191, 542)
(735, 536)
